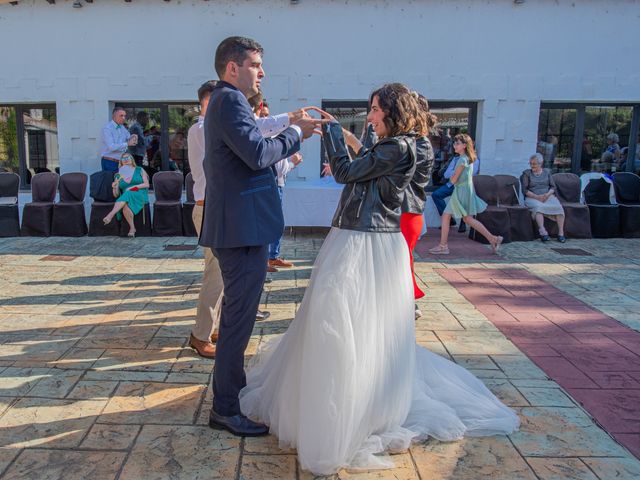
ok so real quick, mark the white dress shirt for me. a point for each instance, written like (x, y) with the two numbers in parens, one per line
(195, 152)
(114, 140)
(269, 127)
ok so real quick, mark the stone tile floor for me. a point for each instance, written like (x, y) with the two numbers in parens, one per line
(96, 382)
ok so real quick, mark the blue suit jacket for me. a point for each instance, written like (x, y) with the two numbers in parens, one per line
(242, 207)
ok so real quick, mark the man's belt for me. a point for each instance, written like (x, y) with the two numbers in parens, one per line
(200, 202)
(111, 159)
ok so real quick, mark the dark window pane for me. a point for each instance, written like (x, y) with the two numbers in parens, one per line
(9, 160)
(606, 134)
(556, 129)
(41, 140)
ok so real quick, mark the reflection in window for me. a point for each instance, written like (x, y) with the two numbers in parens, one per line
(451, 121)
(606, 133)
(556, 130)
(9, 159)
(39, 128)
(41, 140)
(165, 134)
(352, 115)
(181, 117)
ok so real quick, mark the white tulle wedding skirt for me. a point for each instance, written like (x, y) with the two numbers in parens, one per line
(347, 382)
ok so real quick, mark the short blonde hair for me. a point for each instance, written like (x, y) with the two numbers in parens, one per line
(128, 157)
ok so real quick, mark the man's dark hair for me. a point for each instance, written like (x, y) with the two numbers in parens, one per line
(117, 109)
(205, 89)
(141, 115)
(264, 103)
(234, 49)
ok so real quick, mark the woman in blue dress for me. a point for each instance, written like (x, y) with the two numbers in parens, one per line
(131, 186)
(464, 202)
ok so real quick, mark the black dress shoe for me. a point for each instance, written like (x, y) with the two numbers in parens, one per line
(562, 238)
(545, 238)
(262, 315)
(238, 425)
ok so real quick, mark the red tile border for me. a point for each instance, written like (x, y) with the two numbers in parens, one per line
(591, 355)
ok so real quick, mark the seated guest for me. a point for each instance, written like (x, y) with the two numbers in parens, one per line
(131, 186)
(539, 191)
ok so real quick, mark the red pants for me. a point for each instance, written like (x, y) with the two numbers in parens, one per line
(411, 226)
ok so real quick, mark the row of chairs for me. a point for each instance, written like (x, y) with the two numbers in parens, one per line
(43, 216)
(592, 216)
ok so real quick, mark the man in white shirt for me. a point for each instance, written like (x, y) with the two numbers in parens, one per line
(204, 332)
(282, 168)
(116, 139)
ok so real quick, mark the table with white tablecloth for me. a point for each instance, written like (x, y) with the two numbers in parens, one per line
(312, 204)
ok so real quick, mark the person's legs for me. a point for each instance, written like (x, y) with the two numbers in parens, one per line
(444, 233)
(411, 226)
(274, 249)
(560, 221)
(439, 195)
(243, 274)
(494, 240)
(128, 215)
(211, 291)
(116, 208)
(540, 223)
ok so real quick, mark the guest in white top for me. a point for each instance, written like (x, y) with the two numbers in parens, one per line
(116, 139)
(282, 168)
(204, 333)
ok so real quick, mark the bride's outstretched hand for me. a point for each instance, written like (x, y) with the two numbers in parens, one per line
(325, 115)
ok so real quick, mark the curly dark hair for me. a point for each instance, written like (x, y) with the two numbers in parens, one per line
(234, 49)
(426, 120)
(400, 108)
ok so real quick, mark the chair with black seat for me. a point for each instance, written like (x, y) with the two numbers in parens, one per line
(604, 216)
(36, 215)
(187, 208)
(69, 219)
(9, 215)
(577, 223)
(627, 187)
(101, 192)
(520, 226)
(495, 218)
(167, 208)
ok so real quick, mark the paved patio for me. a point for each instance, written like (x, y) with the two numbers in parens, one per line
(96, 382)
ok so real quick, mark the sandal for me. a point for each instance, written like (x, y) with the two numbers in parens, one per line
(440, 250)
(131, 234)
(496, 246)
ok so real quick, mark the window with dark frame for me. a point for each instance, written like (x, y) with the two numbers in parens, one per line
(36, 125)
(165, 134)
(589, 137)
(453, 118)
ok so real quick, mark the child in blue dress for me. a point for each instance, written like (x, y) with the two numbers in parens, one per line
(464, 203)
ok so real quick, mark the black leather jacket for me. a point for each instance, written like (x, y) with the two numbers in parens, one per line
(415, 197)
(375, 181)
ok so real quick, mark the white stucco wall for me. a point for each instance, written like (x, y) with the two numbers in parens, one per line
(508, 57)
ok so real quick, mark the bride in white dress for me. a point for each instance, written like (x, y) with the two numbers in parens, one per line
(347, 381)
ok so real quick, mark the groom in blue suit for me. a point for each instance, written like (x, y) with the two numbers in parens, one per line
(242, 214)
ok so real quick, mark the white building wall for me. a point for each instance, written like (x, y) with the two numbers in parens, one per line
(505, 56)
